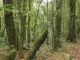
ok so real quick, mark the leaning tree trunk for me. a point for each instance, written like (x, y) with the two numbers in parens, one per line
(72, 34)
(37, 45)
(9, 24)
(58, 23)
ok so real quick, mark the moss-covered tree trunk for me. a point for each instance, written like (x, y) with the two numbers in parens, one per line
(47, 21)
(52, 25)
(58, 24)
(21, 26)
(9, 23)
(10, 28)
(37, 45)
(0, 26)
(23, 23)
(22, 15)
(0, 22)
(72, 34)
(29, 18)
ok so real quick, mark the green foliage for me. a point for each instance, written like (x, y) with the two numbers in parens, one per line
(41, 20)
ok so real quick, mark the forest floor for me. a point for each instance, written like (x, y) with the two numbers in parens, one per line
(45, 52)
(69, 50)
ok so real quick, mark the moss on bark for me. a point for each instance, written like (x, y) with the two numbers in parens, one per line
(37, 45)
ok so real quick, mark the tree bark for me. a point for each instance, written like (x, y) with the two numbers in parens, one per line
(58, 24)
(29, 18)
(23, 22)
(47, 23)
(53, 28)
(0, 26)
(22, 17)
(37, 45)
(0, 22)
(72, 34)
(9, 24)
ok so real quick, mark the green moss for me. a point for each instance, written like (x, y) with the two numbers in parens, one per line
(37, 45)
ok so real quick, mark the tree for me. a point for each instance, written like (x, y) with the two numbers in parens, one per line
(47, 23)
(23, 22)
(0, 22)
(72, 34)
(0, 26)
(52, 24)
(37, 45)
(58, 23)
(29, 18)
(9, 23)
(22, 17)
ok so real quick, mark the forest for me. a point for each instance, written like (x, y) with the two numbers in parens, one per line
(40, 30)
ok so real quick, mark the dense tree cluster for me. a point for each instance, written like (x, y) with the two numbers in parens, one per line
(23, 21)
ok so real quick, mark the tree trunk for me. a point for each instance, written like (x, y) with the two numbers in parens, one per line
(37, 45)
(52, 24)
(23, 23)
(47, 23)
(9, 24)
(72, 34)
(22, 17)
(0, 26)
(0, 22)
(29, 18)
(58, 23)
